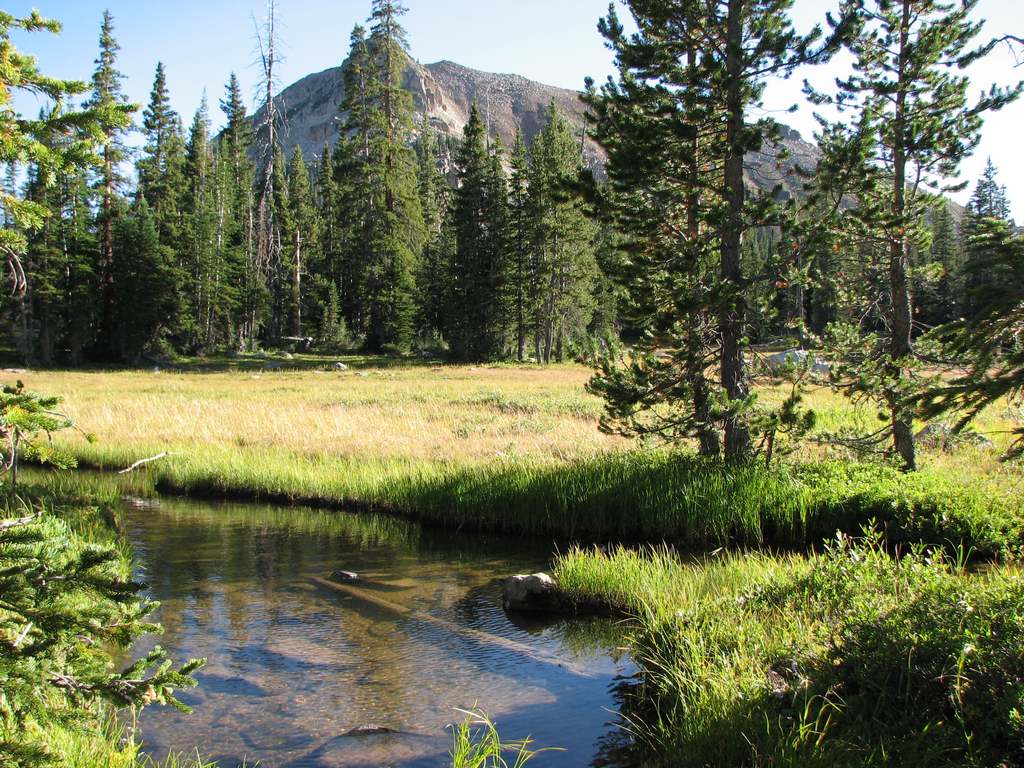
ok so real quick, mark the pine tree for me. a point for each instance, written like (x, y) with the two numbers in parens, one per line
(199, 253)
(352, 201)
(433, 267)
(940, 285)
(147, 295)
(301, 236)
(160, 169)
(988, 202)
(564, 266)
(473, 308)
(987, 344)
(61, 145)
(519, 240)
(162, 184)
(107, 95)
(896, 152)
(236, 221)
(395, 224)
(676, 127)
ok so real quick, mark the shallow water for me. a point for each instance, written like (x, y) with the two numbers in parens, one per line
(295, 666)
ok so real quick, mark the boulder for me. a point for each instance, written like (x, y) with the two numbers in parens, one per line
(531, 593)
(798, 358)
(345, 576)
(940, 435)
(339, 366)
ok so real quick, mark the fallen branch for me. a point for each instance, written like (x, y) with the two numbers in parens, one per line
(140, 462)
(17, 523)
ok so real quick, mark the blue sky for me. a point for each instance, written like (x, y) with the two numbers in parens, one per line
(551, 41)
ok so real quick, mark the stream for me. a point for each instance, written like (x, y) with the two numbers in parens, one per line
(304, 676)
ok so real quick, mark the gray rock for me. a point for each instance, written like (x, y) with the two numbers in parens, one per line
(339, 366)
(797, 358)
(532, 593)
(940, 435)
(345, 576)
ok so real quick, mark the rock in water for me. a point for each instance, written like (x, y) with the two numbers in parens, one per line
(533, 593)
(345, 576)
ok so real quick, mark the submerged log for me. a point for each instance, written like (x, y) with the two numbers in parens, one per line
(473, 634)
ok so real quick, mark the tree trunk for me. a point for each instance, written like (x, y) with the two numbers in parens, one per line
(297, 286)
(707, 434)
(899, 263)
(731, 317)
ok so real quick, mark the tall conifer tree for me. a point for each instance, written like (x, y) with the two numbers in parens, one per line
(894, 155)
(395, 227)
(676, 126)
(199, 252)
(236, 221)
(108, 94)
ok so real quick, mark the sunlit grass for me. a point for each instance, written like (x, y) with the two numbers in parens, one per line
(515, 449)
(848, 658)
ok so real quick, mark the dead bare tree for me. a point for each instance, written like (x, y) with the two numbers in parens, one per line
(267, 253)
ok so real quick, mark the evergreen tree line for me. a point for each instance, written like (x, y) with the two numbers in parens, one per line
(390, 240)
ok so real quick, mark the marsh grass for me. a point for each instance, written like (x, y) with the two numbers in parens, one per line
(108, 748)
(851, 657)
(515, 450)
(476, 743)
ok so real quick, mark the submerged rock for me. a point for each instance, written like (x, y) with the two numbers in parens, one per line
(532, 593)
(370, 730)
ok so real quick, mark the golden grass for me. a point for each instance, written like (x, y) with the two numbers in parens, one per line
(318, 433)
(422, 413)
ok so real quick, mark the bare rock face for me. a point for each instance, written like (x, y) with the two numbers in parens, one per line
(533, 593)
(444, 93)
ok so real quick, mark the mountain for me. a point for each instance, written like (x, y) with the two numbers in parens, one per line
(444, 92)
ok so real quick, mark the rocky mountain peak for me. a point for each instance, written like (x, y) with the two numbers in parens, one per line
(445, 91)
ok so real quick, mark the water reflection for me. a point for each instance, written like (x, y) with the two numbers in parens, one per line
(296, 669)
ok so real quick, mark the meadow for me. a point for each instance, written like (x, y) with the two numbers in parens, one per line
(515, 449)
(770, 621)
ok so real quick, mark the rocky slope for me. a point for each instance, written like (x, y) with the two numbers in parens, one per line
(444, 92)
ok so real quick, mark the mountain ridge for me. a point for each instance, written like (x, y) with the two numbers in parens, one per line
(444, 91)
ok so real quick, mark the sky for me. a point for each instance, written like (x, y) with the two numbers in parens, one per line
(556, 42)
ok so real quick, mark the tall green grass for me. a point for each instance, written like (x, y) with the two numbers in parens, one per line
(848, 658)
(476, 743)
(636, 496)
